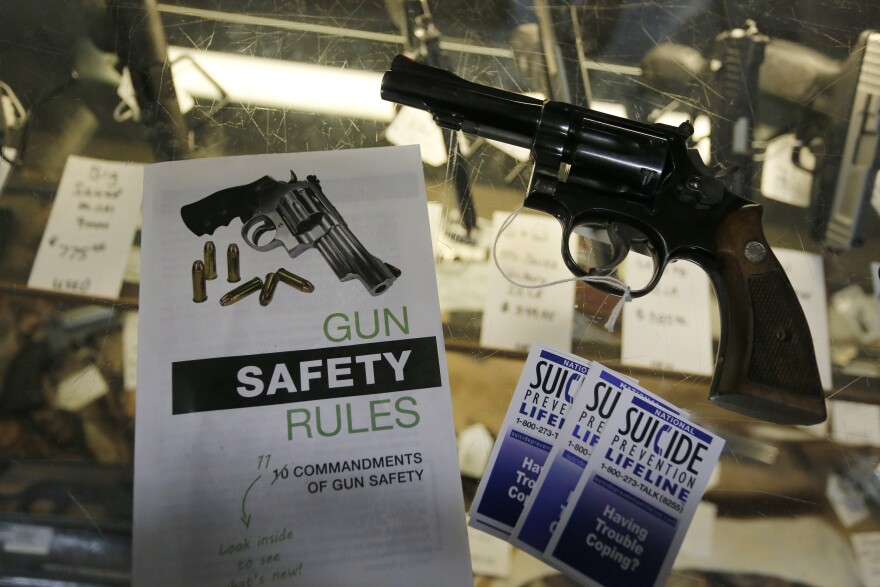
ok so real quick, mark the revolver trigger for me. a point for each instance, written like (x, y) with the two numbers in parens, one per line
(619, 239)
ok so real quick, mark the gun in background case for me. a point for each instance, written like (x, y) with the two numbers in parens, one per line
(833, 107)
(838, 104)
(854, 124)
(642, 185)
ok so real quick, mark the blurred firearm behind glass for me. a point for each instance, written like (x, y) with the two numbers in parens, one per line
(832, 107)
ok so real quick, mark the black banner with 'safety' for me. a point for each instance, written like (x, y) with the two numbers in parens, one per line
(228, 383)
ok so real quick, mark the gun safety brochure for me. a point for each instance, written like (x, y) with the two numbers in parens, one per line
(294, 423)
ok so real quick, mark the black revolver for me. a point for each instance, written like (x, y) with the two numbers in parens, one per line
(641, 184)
(300, 216)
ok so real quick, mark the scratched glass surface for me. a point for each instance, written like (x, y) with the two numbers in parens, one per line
(270, 76)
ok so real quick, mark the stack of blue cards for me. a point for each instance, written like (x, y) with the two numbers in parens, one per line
(593, 474)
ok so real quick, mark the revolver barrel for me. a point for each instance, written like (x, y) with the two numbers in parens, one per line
(606, 152)
(458, 104)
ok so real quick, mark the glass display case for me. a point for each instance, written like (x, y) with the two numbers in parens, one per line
(784, 102)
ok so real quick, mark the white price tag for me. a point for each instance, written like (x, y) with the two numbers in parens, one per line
(88, 238)
(781, 179)
(27, 539)
(855, 423)
(807, 276)
(699, 539)
(856, 311)
(79, 389)
(867, 549)
(489, 555)
(417, 127)
(474, 448)
(514, 317)
(670, 328)
(846, 500)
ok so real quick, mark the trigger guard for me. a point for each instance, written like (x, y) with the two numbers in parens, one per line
(254, 228)
(569, 261)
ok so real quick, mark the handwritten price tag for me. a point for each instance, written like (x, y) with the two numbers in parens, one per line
(668, 329)
(867, 548)
(515, 318)
(91, 228)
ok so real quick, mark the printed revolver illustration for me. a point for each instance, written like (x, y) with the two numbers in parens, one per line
(301, 217)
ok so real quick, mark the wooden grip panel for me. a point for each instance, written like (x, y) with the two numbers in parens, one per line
(766, 365)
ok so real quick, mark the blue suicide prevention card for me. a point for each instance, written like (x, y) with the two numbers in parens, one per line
(537, 412)
(632, 506)
(599, 396)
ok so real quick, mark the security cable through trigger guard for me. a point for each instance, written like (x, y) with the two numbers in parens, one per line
(626, 295)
